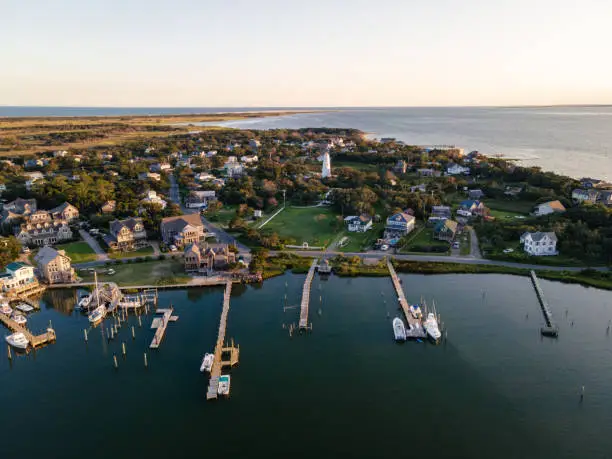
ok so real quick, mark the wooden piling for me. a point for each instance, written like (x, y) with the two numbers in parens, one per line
(139, 321)
(123, 348)
(133, 333)
(145, 360)
(10, 355)
(115, 361)
(85, 333)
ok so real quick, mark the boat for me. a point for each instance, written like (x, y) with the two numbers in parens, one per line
(24, 307)
(431, 327)
(207, 362)
(18, 340)
(224, 385)
(6, 309)
(416, 311)
(399, 329)
(84, 302)
(20, 319)
(97, 314)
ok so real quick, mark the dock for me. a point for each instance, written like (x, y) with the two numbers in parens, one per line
(35, 340)
(220, 348)
(415, 328)
(161, 324)
(551, 328)
(306, 296)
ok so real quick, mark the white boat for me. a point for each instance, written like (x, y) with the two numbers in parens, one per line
(84, 302)
(97, 314)
(431, 327)
(20, 319)
(18, 340)
(24, 307)
(6, 309)
(399, 329)
(416, 312)
(224, 385)
(207, 362)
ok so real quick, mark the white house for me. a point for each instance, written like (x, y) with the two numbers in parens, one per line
(151, 197)
(233, 168)
(547, 208)
(160, 167)
(60, 153)
(33, 177)
(248, 159)
(149, 176)
(359, 224)
(18, 276)
(456, 169)
(540, 243)
(204, 177)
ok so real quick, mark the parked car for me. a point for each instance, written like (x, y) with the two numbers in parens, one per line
(173, 248)
(456, 245)
(384, 247)
(508, 250)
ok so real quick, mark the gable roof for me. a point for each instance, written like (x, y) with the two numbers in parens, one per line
(129, 223)
(539, 235)
(181, 221)
(555, 205)
(46, 255)
(446, 224)
(61, 208)
(401, 217)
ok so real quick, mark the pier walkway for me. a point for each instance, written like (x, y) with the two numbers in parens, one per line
(161, 324)
(306, 295)
(35, 340)
(551, 328)
(220, 348)
(415, 329)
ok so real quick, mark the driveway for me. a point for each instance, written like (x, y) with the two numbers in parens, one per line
(100, 254)
(475, 248)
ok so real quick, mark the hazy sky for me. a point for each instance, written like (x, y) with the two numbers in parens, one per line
(305, 53)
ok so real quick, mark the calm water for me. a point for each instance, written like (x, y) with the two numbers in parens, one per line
(346, 390)
(575, 141)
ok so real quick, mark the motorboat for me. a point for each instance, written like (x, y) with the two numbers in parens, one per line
(97, 314)
(84, 302)
(207, 362)
(6, 309)
(224, 385)
(399, 329)
(18, 340)
(24, 307)
(20, 319)
(431, 327)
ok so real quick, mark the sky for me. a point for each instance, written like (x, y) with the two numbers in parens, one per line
(258, 53)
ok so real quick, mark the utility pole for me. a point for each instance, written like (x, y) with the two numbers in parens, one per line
(284, 191)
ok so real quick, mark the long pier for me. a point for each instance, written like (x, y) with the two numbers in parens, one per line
(35, 340)
(306, 295)
(161, 324)
(415, 330)
(220, 348)
(551, 328)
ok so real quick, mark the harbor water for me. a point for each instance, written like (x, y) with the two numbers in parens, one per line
(494, 388)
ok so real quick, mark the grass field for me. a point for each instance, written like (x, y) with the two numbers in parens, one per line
(509, 205)
(223, 216)
(79, 252)
(425, 239)
(137, 253)
(140, 273)
(315, 225)
(357, 242)
(365, 167)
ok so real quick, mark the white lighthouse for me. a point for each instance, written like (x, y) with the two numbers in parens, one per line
(326, 172)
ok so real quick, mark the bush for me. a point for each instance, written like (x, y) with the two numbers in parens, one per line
(161, 257)
(148, 258)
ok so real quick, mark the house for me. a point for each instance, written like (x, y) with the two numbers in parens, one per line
(445, 230)
(32, 163)
(254, 144)
(42, 230)
(547, 208)
(149, 176)
(65, 211)
(590, 195)
(539, 243)
(258, 213)
(248, 159)
(588, 182)
(399, 224)
(605, 198)
(160, 167)
(428, 173)
(198, 199)
(200, 257)
(422, 187)
(54, 266)
(18, 208)
(513, 190)
(219, 182)
(151, 197)
(456, 169)
(182, 230)
(475, 194)
(126, 235)
(359, 224)
(18, 278)
(233, 168)
(438, 214)
(32, 178)
(400, 167)
(60, 153)
(109, 207)
(474, 207)
(204, 177)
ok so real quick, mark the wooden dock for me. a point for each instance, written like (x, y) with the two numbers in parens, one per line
(35, 340)
(551, 328)
(306, 296)
(220, 348)
(161, 325)
(415, 329)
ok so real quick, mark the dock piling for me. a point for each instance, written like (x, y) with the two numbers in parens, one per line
(115, 361)
(145, 360)
(123, 348)
(85, 333)
(10, 355)
(133, 333)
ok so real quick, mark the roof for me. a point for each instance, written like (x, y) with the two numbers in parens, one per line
(46, 255)
(469, 203)
(401, 217)
(539, 235)
(129, 223)
(61, 207)
(450, 224)
(181, 221)
(555, 205)
(14, 266)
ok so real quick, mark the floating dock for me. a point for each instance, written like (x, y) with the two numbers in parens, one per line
(306, 296)
(220, 348)
(415, 328)
(161, 323)
(551, 328)
(35, 340)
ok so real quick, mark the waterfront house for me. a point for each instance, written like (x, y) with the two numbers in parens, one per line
(445, 230)
(585, 195)
(182, 230)
(473, 207)
(126, 235)
(547, 208)
(399, 225)
(42, 229)
(200, 257)
(199, 199)
(358, 224)
(54, 266)
(539, 243)
(438, 214)
(65, 211)
(17, 278)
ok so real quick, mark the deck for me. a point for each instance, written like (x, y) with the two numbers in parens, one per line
(306, 295)
(161, 324)
(35, 340)
(401, 298)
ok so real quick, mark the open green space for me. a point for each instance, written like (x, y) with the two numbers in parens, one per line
(145, 251)
(79, 252)
(316, 225)
(357, 242)
(512, 206)
(364, 167)
(424, 242)
(146, 273)
(223, 216)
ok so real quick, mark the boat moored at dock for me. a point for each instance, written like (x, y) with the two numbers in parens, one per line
(24, 307)
(6, 309)
(18, 340)
(224, 385)
(97, 315)
(399, 330)
(20, 319)
(84, 302)
(207, 362)
(431, 327)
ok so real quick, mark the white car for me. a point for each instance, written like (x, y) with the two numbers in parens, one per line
(384, 247)
(173, 248)
(508, 250)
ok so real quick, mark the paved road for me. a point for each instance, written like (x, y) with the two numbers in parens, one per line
(474, 247)
(100, 254)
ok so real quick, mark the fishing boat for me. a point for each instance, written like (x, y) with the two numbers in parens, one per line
(399, 329)
(84, 302)
(18, 340)
(20, 319)
(97, 314)
(224, 385)
(6, 309)
(431, 327)
(207, 362)
(24, 307)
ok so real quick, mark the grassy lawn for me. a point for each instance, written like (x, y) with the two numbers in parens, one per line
(505, 214)
(223, 216)
(315, 225)
(509, 205)
(364, 167)
(79, 252)
(137, 253)
(465, 242)
(424, 240)
(140, 273)
(358, 242)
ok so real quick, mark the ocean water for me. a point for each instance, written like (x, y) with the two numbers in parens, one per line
(496, 388)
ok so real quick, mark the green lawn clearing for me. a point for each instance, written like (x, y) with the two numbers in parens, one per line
(358, 242)
(316, 225)
(79, 252)
(145, 273)
(145, 251)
